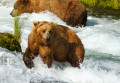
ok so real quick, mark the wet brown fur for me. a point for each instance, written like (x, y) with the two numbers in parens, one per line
(72, 12)
(64, 45)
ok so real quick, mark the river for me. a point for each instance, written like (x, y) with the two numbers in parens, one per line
(101, 39)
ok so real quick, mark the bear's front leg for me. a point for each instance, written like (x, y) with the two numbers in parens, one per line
(27, 58)
(46, 55)
(48, 60)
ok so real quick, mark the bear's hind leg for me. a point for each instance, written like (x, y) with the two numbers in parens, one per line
(76, 56)
(74, 60)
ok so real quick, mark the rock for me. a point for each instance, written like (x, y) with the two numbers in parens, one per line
(9, 42)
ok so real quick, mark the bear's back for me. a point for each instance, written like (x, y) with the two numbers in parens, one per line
(67, 34)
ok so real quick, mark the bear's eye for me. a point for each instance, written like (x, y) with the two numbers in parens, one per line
(15, 7)
(43, 31)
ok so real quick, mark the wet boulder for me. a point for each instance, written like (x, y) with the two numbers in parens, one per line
(9, 42)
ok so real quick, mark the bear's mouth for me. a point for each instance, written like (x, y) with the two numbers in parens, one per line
(14, 13)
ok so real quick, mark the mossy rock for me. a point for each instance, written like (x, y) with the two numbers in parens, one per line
(9, 42)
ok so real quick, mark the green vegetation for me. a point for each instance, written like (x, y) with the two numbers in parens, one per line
(9, 42)
(113, 4)
(12, 41)
(17, 28)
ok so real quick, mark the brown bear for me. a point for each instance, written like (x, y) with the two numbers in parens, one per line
(73, 12)
(53, 42)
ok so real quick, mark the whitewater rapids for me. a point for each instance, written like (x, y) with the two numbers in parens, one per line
(101, 39)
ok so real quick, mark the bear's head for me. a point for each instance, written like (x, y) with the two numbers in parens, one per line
(44, 31)
(21, 6)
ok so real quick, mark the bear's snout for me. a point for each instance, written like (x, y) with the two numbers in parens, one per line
(12, 14)
(47, 40)
(47, 37)
(15, 13)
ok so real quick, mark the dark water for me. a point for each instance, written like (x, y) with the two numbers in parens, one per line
(104, 12)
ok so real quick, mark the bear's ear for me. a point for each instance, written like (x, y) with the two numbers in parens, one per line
(53, 24)
(35, 23)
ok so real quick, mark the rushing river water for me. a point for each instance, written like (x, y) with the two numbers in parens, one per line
(101, 39)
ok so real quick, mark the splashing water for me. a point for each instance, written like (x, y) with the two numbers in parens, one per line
(101, 39)
(7, 3)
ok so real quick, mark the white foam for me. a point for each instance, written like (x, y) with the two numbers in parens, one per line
(7, 3)
(101, 39)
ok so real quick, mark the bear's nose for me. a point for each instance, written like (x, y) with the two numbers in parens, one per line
(48, 39)
(11, 13)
